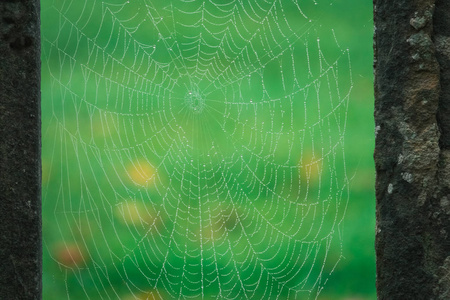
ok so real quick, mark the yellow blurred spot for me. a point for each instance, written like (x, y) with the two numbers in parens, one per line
(45, 171)
(212, 233)
(310, 167)
(141, 172)
(131, 212)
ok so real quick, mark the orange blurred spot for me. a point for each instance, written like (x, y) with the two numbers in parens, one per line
(141, 172)
(69, 255)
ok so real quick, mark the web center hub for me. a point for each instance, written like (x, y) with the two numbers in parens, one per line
(195, 101)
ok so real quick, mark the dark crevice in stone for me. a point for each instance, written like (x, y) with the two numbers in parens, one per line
(442, 43)
(8, 20)
(21, 43)
(439, 211)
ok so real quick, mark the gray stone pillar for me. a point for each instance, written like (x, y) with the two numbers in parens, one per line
(20, 151)
(412, 151)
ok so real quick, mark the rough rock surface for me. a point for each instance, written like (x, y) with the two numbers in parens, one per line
(20, 179)
(412, 151)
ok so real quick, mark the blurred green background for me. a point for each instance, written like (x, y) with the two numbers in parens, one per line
(189, 141)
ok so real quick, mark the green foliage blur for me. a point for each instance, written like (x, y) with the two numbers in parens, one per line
(86, 196)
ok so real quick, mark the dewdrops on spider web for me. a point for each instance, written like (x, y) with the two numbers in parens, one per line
(191, 147)
(155, 294)
(224, 221)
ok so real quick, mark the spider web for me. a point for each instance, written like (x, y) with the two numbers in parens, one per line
(192, 149)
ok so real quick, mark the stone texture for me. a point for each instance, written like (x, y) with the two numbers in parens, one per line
(412, 116)
(20, 179)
